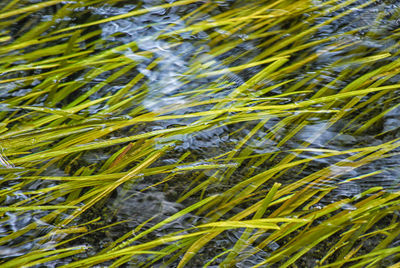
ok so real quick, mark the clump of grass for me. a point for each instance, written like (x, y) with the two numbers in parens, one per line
(83, 121)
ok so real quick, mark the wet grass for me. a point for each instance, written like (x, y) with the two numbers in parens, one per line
(269, 119)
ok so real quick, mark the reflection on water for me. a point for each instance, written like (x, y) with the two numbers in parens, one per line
(4, 162)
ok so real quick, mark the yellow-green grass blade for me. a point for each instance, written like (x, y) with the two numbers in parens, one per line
(39, 257)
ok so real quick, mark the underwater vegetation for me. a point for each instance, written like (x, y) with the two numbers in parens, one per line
(199, 133)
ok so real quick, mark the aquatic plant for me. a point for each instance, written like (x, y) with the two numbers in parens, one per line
(197, 133)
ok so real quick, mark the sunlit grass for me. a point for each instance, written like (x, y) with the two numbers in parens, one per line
(69, 93)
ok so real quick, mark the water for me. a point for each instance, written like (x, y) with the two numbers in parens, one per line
(169, 64)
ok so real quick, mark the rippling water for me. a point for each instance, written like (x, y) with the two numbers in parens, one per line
(172, 75)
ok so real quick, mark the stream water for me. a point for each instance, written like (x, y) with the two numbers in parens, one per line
(174, 75)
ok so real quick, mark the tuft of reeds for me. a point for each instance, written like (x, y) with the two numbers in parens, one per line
(266, 123)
